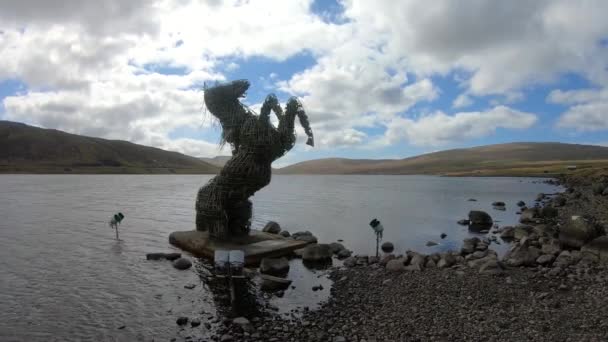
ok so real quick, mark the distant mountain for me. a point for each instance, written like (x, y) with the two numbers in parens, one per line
(28, 149)
(517, 159)
(219, 161)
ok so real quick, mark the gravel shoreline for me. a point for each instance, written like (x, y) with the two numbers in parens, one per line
(564, 299)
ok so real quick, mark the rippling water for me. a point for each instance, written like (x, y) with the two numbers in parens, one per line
(64, 277)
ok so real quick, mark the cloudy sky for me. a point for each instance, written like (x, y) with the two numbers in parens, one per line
(379, 79)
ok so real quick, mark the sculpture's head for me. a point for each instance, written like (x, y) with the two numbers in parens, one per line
(230, 91)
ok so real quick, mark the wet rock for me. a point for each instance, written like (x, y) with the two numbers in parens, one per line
(182, 264)
(577, 231)
(472, 200)
(540, 197)
(189, 286)
(431, 243)
(343, 254)
(272, 228)
(479, 221)
(469, 245)
(336, 247)
(387, 247)
(304, 236)
(284, 233)
(317, 253)
(182, 320)
(521, 204)
(165, 256)
(464, 222)
(275, 266)
(272, 283)
(298, 252)
(195, 322)
(499, 206)
(443, 235)
(598, 248)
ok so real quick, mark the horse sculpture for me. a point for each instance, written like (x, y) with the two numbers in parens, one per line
(222, 205)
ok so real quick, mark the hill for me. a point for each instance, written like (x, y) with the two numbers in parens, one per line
(513, 159)
(218, 161)
(28, 149)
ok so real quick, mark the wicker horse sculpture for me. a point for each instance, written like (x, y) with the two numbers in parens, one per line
(222, 205)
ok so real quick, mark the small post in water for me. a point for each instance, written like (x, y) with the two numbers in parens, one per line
(378, 229)
(115, 222)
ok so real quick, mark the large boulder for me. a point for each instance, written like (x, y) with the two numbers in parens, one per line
(418, 260)
(275, 266)
(285, 233)
(395, 265)
(336, 247)
(522, 255)
(577, 231)
(597, 248)
(272, 283)
(317, 253)
(387, 247)
(272, 228)
(304, 236)
(480, 220)
(343, 254)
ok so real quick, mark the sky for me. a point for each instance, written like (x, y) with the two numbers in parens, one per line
(378, 79)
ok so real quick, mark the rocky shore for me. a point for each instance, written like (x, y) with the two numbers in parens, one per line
(551, 286)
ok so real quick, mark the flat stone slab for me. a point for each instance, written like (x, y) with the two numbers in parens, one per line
(256, 245)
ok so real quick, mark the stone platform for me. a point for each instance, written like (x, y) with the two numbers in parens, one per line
(256, 245)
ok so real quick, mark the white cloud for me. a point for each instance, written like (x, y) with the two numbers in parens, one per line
(439, 129)
(591, 116)
(463, 100)
(87, 63)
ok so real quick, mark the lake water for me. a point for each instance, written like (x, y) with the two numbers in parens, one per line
(64, 277)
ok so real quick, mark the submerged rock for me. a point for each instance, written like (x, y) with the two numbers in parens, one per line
(166, 256)
(275, 266)
(182, 264)
(479, 220)
(272, 283)
(317, 253)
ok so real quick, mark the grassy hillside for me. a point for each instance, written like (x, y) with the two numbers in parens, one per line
(27, 149)
(218, 161)
(517, 159)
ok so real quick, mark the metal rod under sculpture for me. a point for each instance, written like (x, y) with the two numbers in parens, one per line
(222, 205)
